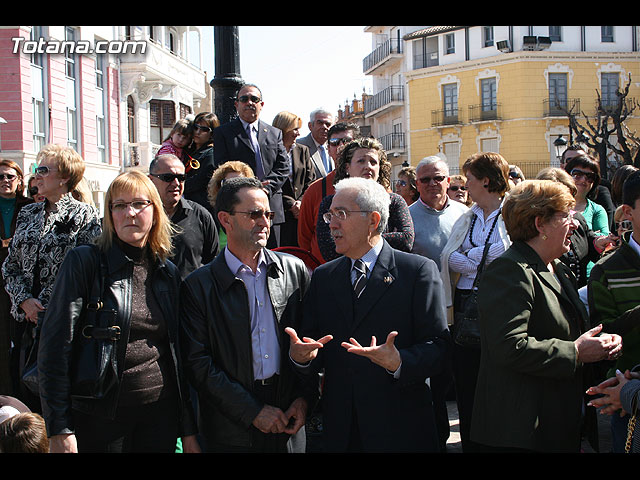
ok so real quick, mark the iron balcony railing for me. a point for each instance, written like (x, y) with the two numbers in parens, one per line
(391, 46)
(382, 98)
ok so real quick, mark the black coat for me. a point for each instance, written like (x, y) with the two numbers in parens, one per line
(403, 293)
(216, 343)
(64, 320)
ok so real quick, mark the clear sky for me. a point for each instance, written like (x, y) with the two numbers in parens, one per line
(300, 68)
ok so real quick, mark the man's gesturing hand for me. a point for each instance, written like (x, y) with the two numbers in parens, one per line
(305, 350)
(385, 355)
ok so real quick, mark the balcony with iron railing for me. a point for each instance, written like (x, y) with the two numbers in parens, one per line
(392, 142)
(390, 49)
(609, 106)
(390, 96)
(558, 107)
(447, 116)
(485, 112)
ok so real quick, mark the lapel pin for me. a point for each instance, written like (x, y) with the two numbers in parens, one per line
(388, 279)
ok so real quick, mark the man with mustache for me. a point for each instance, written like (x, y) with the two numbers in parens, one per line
(233, 315)
(196, 242)
(259, 145)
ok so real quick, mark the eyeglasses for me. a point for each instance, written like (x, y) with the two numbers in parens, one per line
(43, 171)
(455, 188)
(335, 142)
(401, 183)
(204, 128)
(567, 217)
(246, 98)
(514, 175)
(427, 180)
(170, 177)
(340, 214)
(590, 176)
(136, 205)
(7, 176)
(257, 214)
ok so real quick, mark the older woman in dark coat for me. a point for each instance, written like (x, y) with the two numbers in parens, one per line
(536, 341)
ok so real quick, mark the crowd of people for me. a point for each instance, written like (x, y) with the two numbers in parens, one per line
(251, 280)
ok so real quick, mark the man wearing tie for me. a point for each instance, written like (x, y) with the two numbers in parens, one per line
(376, 398)
(320, 122)
(259, 145)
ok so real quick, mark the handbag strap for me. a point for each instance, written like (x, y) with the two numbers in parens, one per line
(484, 253)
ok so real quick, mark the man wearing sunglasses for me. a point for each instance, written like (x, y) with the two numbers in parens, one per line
(196, 243)
(259, 145)
(320, 121)
(234, 312)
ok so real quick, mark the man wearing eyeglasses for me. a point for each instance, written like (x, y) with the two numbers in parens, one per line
(259, 145)
(320, 121)
(374, 320)
(234, 311)
(196, 242)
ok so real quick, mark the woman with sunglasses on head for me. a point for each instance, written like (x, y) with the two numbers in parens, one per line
(199, 161)
(11, 201)
(45, 232)
(365, 157)
(118, 298)
(406, 185)
(478, 237)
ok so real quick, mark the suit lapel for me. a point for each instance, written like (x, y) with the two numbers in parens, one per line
(381, 278)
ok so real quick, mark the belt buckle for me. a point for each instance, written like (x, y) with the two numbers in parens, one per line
(267, 381)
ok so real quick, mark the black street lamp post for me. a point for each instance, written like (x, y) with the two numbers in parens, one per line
(227, 80)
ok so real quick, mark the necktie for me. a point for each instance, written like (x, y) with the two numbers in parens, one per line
(256, 148)
(325, 158)
(361, 277)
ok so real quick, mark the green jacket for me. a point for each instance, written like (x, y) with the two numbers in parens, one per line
(614, 300)
(530, 386)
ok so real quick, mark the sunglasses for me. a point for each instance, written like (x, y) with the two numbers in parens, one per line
(43, 171)
(626, 225)
(137, 205)
(7, 176)
(401, 183)
(204, 128)
(590, 176)
(455, 188)
(334, 142)
(257, 214)
(246, 98)
(514, 175)
(170, 177)
(427, 180)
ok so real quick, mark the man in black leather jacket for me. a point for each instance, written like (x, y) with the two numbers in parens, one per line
(233, 314)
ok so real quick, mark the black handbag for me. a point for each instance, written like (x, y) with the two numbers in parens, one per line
(29, 355)
(93, 359)
(467, 326)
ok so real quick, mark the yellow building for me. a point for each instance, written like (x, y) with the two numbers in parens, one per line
(471, 89)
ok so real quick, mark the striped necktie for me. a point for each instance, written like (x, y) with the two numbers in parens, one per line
(256, 148)
(361, 277)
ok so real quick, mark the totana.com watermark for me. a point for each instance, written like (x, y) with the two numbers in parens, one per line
(80, 47)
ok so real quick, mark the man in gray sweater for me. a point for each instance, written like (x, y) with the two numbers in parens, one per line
(433, 216)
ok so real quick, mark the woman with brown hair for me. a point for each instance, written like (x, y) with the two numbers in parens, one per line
(478, 237)
(365, 158)
(536, 340)
(199, 161)
(12, 199)
(109, 366)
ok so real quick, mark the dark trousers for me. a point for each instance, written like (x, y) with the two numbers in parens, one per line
(466, 364)
(149, 428)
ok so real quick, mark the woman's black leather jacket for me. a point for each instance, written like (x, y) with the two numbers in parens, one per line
(62, 330)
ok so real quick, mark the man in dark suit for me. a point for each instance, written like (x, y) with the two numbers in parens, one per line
(376, 398)
(320, 121)
(259, 145)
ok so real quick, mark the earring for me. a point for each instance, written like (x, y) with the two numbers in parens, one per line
(544, 237)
